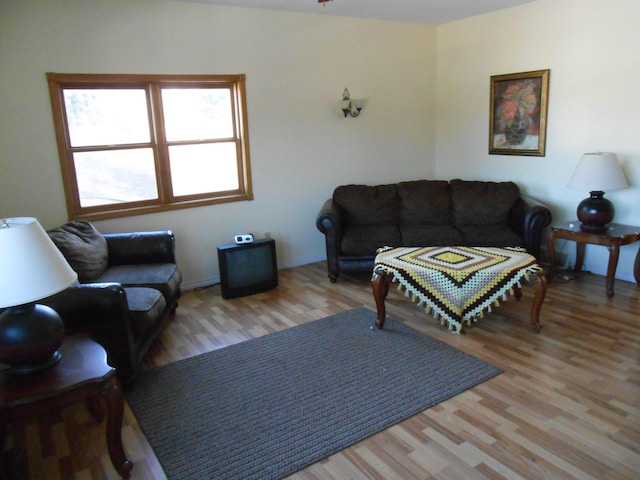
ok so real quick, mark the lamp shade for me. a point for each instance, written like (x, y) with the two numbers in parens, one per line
(598, 171)
(31, 266)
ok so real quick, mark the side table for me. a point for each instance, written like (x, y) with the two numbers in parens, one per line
(81, 374)
(613, 238)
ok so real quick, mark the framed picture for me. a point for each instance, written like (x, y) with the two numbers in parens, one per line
(518, 116)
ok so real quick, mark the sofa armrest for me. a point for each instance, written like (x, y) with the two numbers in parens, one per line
(529, 217)
(102, 311)
(330, 221)
(141, 247)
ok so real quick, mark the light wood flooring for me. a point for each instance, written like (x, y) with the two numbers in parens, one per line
(566, 407)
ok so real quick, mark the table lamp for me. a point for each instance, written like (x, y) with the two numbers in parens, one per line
(597, 172)
(31, 268)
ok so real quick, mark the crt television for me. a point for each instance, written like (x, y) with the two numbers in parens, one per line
(247, 268)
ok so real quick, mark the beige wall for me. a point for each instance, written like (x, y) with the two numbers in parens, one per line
(592, 49)
(297, 67)
(418, 80)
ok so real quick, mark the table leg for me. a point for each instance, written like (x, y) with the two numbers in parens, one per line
(380, 283)
(112, 392)
(636, 267)
(614, 254)
(95, 408)
(538, 299)
(517, 292)
(579, 257)
(552, 257)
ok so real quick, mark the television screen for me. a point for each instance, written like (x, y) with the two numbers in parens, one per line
(248, 268)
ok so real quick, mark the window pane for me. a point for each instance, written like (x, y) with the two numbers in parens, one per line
(203, 168)
(118, 176)
(107, 117)
(197, 113)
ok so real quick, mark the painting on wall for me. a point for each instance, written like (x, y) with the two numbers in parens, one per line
(518, 116)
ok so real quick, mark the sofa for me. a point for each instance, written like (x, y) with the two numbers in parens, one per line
(359, 219)
(128, 285)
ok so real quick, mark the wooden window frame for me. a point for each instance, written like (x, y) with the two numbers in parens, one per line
(158, 143)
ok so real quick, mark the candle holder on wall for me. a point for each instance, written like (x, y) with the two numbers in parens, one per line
(349, 106)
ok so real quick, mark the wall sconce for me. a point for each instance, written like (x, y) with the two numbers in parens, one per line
(350, 107)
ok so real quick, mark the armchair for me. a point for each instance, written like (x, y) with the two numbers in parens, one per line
(129, 284)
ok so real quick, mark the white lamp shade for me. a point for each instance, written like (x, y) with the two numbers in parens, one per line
(31, 266)
(598, 172)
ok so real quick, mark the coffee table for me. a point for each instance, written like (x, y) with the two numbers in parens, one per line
(457, 284)
(81, 374)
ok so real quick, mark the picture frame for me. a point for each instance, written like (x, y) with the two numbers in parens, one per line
(518, 115)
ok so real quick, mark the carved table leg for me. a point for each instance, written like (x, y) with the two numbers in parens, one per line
(538, 298)
(517, 292)
(636, 267)
(380, 283)
(580, 249)
(112, 392)
(614, 255)
(552, 256)
(95, 408)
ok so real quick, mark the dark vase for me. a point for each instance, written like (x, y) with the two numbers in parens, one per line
(517, 132)
(595, 212)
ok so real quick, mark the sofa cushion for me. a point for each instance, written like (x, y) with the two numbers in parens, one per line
(482, 203)
(491, 236)
(164, 277)
(366, 239)
(146, 307)
(83, 247)
(424, 202)
(368, 205)
(430, 235)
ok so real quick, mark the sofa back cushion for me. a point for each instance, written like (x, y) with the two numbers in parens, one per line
(83, 247)
(482, 203)
(368, 205)
(424, 202)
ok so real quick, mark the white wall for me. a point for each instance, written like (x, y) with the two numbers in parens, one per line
(593, 51)
(297, 66)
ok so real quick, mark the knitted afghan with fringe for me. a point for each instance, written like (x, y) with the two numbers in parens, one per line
(456, 284)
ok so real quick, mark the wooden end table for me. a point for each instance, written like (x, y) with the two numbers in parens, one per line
(81, 374)
(613, 238)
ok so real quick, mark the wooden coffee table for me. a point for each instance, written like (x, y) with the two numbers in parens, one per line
(457, 284)
(81, 374)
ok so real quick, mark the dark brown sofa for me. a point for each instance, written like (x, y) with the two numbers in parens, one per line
(359, 219)
(129, 284)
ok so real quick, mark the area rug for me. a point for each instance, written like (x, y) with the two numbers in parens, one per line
(270, 406)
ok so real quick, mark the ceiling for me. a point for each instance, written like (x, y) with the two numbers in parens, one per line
(420, 11)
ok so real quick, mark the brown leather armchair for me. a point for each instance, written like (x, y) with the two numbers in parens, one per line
(129, 284)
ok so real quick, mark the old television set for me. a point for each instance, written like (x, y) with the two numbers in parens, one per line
(247, 268)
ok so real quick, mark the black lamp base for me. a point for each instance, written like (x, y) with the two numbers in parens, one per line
(34, 368)
(29, 339)
(595, 212)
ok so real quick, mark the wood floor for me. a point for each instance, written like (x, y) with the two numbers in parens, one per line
(566, 407)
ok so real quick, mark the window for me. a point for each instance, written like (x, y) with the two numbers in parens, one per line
(132, 144)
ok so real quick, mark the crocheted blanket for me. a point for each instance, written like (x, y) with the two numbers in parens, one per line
(457, 284)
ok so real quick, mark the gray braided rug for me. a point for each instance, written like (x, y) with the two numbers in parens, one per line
(267, 407)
